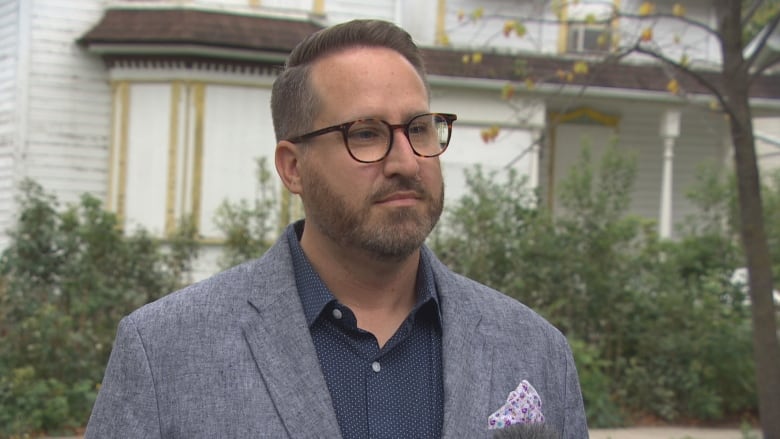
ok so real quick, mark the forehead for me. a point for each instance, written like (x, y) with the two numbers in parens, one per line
(363, 80)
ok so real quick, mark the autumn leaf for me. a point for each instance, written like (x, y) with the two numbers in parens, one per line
(444, 39)
(602, 40)
(590, 19)
(673, 86)
(569, 77)
(647, 34)
(465, 59)
(490, 134)
(678, 10)
(646, 9)
(476, 57)
(507, 91)
(509, 26)
(561, 74)
(580, 68)
(714, 105)
(478, 13)
(530, 84)
(684, 61)
(520, 29)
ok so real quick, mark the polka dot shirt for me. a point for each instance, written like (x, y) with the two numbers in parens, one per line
(389, 392)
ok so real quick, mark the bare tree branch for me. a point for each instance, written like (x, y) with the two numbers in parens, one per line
(638, 48)
(767, 33)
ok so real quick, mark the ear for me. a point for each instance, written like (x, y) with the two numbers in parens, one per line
(287, 158)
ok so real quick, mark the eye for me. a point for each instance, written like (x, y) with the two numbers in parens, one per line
(421, 126)
(367, 132)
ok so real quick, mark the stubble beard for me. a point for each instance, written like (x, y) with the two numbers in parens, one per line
(384, 235)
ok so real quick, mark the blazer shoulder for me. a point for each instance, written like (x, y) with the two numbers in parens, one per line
(496, 309)
(225, 293)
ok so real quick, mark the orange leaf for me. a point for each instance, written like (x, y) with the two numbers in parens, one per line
(509, 26)
(646, 8)
(673, 86)
(507, 91)
(647, 34)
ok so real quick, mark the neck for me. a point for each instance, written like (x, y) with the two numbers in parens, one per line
(381, 292)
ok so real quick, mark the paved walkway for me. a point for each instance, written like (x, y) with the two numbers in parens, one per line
(671, 433)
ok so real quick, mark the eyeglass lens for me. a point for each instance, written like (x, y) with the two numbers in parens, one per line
(369, 140)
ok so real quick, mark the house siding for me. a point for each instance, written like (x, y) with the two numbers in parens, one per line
(68, 102)
(9, 103)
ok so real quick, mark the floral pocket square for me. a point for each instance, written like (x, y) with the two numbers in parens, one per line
(523, 406)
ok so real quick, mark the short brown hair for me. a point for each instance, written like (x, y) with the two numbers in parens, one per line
(294, 104)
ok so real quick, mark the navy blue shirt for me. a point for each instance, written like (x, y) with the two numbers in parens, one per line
(392, 392)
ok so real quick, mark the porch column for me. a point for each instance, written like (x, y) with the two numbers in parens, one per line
(670, 130)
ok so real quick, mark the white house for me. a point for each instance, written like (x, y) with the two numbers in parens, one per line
(161, 107)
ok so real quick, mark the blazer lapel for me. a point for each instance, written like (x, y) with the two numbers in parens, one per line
(279, 339)
(467, 358)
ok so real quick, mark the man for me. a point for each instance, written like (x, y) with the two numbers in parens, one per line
(348, 326)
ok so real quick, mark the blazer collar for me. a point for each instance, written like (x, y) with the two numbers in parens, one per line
(466, 357)
(279, 339)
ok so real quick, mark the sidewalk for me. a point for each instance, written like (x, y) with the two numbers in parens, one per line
(670, 433)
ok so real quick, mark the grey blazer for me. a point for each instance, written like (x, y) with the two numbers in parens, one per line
(231, 357)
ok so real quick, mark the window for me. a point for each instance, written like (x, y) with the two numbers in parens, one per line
(588, 38)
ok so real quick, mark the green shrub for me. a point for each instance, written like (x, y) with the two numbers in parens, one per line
(656, 326)
(68, 276)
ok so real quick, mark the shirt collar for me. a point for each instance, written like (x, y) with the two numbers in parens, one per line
(315, 296)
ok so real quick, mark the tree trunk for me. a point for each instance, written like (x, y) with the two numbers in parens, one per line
(765, 342)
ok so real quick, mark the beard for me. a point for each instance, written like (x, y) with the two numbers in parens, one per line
(386, 234)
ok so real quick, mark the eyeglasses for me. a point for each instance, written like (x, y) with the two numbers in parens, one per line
(370, 140)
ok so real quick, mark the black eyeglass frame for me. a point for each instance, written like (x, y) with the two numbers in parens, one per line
(344, 129)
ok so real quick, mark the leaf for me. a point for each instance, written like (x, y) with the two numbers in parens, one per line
(646, 9)
(509, 26)
(684, 61)
(478, 13)
(673, 86)
(590, 19)
(580, 68)
(678, 10)
(602, 40)
(465, 59)
(444, 39)
(520, 29)
(530, 84)
(647, 35)
(476, 57)
(507, 91)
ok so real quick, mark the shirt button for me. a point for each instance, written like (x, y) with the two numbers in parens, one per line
(376, 366)
(336, 313)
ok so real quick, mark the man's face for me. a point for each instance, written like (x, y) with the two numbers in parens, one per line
(388, 208)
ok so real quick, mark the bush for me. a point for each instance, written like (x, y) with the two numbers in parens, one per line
(656, 327)
(67, 278)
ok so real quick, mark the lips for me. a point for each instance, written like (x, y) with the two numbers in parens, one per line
(401, 196)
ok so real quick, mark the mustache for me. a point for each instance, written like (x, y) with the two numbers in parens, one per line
(400, 184)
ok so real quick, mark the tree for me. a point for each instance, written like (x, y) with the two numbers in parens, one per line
(730, 87)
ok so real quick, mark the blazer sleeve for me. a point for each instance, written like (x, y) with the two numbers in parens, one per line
(126, 405)
(575, 425)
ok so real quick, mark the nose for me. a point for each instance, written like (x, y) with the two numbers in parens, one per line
(401, 159)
